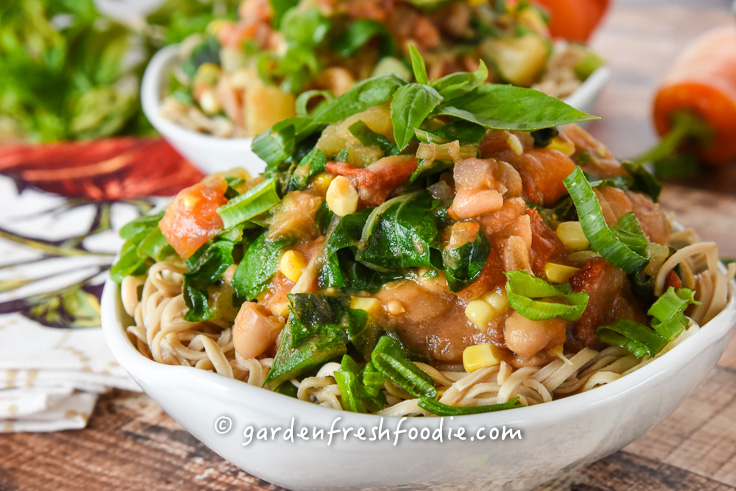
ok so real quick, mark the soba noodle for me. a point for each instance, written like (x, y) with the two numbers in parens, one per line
(160, 332)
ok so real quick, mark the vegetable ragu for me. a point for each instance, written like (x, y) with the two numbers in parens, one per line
(440, 247)
(238, 77)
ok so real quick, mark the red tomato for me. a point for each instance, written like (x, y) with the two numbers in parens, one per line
(191, 219)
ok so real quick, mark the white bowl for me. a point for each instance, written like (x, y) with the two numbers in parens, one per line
(209, 153)
(556, 437)
(587, 95)
(213, 154)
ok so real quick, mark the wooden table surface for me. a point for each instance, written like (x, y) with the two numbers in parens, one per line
(131, 443)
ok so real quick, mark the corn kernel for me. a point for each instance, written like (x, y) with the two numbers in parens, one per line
(515, 144)
(558, 273)
(209, 103)
(572, 236)
(369, 304)
(322, 182)
(342, 198)
(481, 356)
(207, 74)
(497, 301)
(480, 314)
(564, 146)
(292, 264)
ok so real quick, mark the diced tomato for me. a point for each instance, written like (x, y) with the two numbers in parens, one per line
(191, 219)
(542, 171)
(376, 182)
(673, 281)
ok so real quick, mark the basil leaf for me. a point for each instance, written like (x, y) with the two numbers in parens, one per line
(464, 264)
(366, 94)
(440, 409)
(460, 83)
(312, 164)
(506, 107)
(359, 33)
(209, 268)
(279, 9)
(417, 65)
(411, 105)
(259, 264)
(258, 199)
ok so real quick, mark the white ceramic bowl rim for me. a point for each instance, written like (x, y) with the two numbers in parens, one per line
(127, 355)
(158, 68)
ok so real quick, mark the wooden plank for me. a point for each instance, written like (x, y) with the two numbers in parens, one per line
(623, 470)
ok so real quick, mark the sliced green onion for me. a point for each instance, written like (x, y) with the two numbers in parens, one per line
(253, 202)
(391, 362)
(354, 394)
(312, 164)
(669, 312)
(522, 288)
(440, 409)
(602, 238)
(276, 144)
(637, 338)
(302, 102)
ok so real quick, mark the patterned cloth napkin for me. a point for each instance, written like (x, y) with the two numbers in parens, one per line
(60, 209)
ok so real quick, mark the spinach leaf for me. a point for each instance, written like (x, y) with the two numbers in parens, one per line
(366, 94)
(411, 105)
(356, 397)
(489, 105)
(340, 269)
(401, 233)
(208, 270)
(440, 409)
(293, 360)
(312, 164)
(359, 33)
(259, 264)
(464, 264)
(643, 181)
(314, 312)
(208, 51)
(390, 361)
(369, 138)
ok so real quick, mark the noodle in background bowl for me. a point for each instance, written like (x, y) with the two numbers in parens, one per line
(213, 154)
(557, 436)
